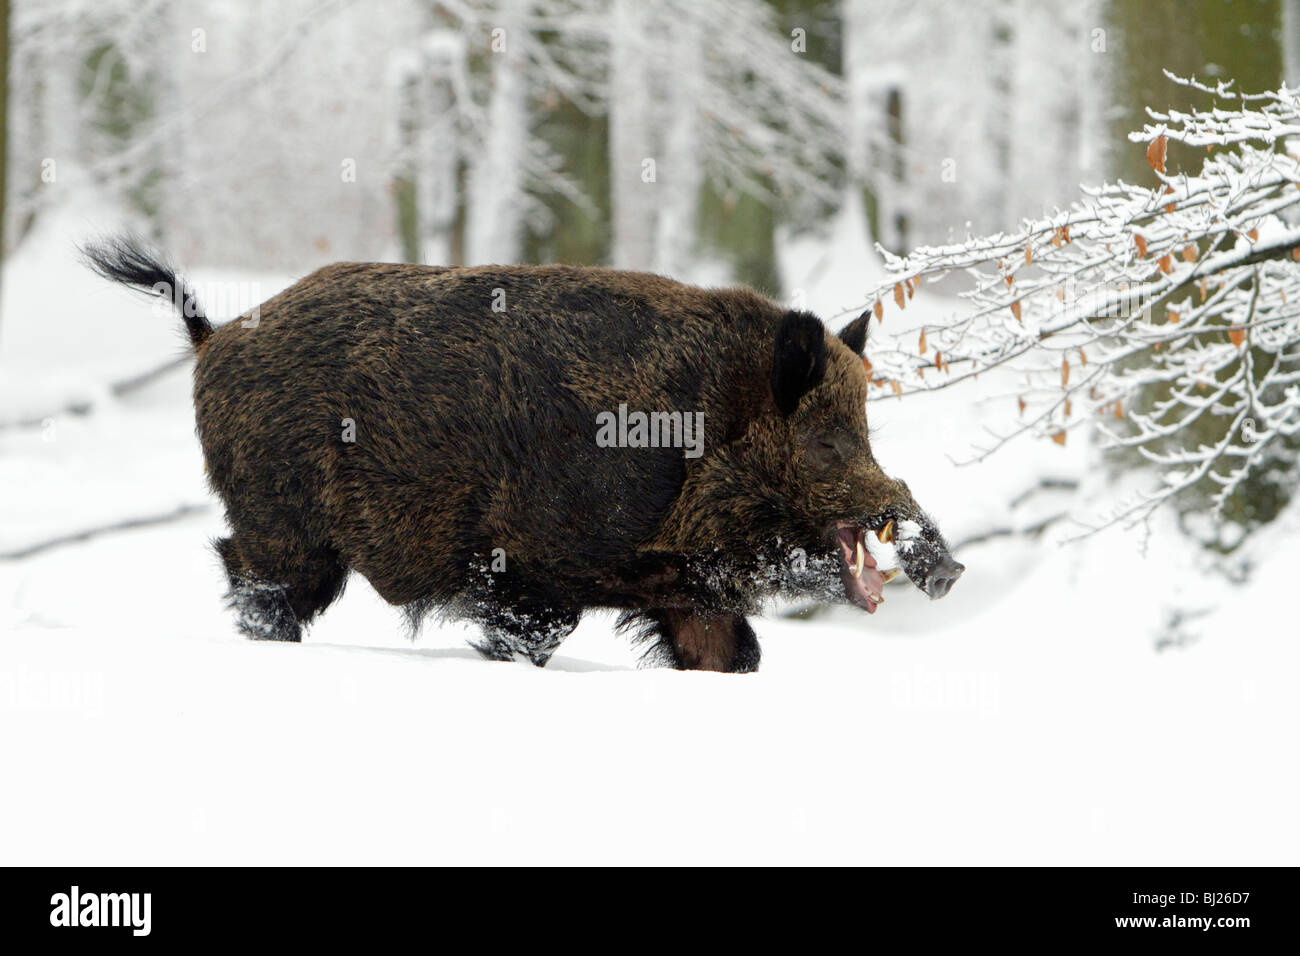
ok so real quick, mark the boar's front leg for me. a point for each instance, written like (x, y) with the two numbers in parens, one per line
(696, 641)
(533, 633)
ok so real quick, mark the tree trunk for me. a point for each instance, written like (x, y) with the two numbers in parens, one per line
(874, 73)
(1001, 107)
(680, 173)
(495, 234)
(1291, 43)
(437, 153)
(631, 143)
(1095, 89)
(4, 124)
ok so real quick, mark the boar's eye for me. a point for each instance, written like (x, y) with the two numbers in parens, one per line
(824, 450)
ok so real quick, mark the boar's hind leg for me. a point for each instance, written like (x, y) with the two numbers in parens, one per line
(274, 593)
(694, 641)
(511, 633)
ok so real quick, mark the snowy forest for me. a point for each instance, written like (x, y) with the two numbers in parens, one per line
(1075, 226)
(306, 132)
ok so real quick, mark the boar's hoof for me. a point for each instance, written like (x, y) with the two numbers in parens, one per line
(264, 612)
(496, 648)
(511, 634)
(943, 576)
(692, 640)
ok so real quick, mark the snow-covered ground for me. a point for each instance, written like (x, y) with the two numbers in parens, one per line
(1030, 717)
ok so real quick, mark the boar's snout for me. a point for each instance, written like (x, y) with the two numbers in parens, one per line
(943, 576)
(925, 556)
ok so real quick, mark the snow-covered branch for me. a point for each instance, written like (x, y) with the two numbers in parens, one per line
(1168, 315)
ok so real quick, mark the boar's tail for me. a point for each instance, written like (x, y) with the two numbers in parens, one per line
(129, 260)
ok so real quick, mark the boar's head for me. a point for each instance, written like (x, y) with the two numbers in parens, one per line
(801, 479)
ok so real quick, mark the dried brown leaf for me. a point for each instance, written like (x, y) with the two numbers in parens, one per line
(1156, 154)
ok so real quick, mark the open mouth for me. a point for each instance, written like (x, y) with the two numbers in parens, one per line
(862, 580)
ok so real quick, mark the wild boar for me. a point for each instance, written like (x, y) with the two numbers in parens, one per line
(516, 445)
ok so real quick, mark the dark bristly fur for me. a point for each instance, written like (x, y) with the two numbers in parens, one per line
(475, 443)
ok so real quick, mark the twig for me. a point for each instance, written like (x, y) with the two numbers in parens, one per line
(76, 537)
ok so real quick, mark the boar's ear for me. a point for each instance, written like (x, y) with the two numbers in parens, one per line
(854, 335)
(798, 359)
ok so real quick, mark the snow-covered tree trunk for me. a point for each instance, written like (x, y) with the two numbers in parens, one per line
(679, 175)
(1090, 41)
(1047, 140)
(176, 54)
(875, 74)
(859, 87)
(634, 193)
(62, 132)
(1006, 45)
(4, 117)
(1291, 43)
(437, 152)
(497, 201)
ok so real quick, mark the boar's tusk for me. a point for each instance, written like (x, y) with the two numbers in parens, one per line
(886, 534)
(891, 574)
(859, 559)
